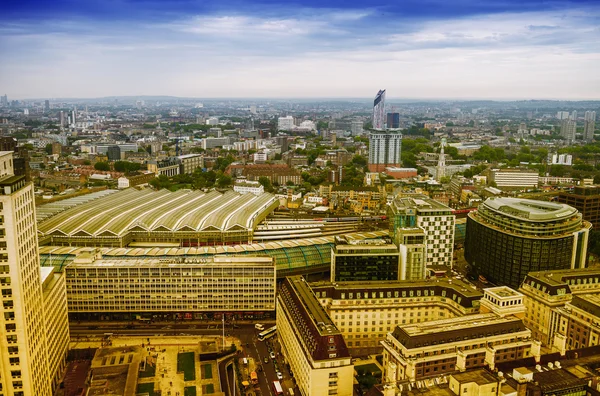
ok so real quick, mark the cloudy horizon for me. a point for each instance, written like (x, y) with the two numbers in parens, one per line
(430, 49)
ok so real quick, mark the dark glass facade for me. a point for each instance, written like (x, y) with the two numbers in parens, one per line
(366, 268)
(505, 259)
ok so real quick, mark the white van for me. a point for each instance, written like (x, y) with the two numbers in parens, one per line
(258, 326)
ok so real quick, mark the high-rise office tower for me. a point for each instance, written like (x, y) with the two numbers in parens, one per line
(568, 129)
(379, 110)
(589, 126)
(33, 314)
(573, 115)
(62, 119)
(393, 120)
(47, 105)
(384, 150)
(4, 101)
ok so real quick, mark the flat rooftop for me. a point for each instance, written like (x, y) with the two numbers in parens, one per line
(530, 209)
(502, 292)
(418, 201)
(313, 307)
(175, 262)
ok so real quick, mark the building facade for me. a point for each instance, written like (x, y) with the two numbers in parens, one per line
(181, 286)
(514, 178)
(578, 323)
(434, 218)
(365, 260)
(168, 167)
(190, 162)
(393, 120)
(248, 187)
(365, 312)
(26, 367)
(546, 292)
(589, 126)
(385, 149)
(586, 199)
(437, 347)
(509, 237)
(311, 343)
(285, 123)
(379, 110)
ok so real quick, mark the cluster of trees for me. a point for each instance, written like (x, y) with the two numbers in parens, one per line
(197, 180)
(117, 166)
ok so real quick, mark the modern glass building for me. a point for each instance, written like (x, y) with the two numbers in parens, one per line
(510, 237)
(379, 110)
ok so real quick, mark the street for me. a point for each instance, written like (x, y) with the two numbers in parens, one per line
(245, 332)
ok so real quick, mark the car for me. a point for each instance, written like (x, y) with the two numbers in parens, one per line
(272, 355)
(279, 376)
(266, 360)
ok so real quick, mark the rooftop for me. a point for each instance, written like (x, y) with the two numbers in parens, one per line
(117, 214)
(417, 201)
(321, 319)
(502, 292)
(530, 209)
(456, 329)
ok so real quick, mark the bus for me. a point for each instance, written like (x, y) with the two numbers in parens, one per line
(267, 333)
(277, 388)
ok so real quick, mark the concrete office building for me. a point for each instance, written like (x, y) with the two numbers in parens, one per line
(434, 218)
(311, 343)
(510, 237)
(365, 312)
(26, 364)
(365, 260)
(285, 123)
(185, 287)
(589, 126)
(586, 199)
(413, 253)
(384, 150)
(379, 110)
(546, 291)
(514, 178)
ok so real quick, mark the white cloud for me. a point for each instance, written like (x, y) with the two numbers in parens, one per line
(332, 54)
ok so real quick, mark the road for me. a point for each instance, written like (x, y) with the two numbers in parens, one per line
(251, 347)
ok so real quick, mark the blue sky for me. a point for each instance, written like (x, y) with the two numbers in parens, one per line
(464, 49)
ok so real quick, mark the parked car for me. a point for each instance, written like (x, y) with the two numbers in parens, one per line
(279, 376)
(272, 355)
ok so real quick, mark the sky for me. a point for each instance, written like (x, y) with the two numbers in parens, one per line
(416, 49)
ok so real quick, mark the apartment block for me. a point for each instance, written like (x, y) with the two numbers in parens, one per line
(101, 286)
(190, 162)
(586, 199)
(434, 218)
(311, 343)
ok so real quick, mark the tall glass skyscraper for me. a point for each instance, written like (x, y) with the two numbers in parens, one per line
(379, 110)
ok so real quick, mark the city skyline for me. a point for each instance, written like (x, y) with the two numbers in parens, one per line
(462, 50)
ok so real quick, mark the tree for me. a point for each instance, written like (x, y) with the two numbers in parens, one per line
(48, 148)
(102, 166)
(266, 183)
(359, 160)
(224, 181)
(87, 162)
(126, 166)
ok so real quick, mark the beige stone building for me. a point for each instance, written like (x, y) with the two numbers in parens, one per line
(27, 364)
(546, 291)
(311, 343)
(365, 312)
